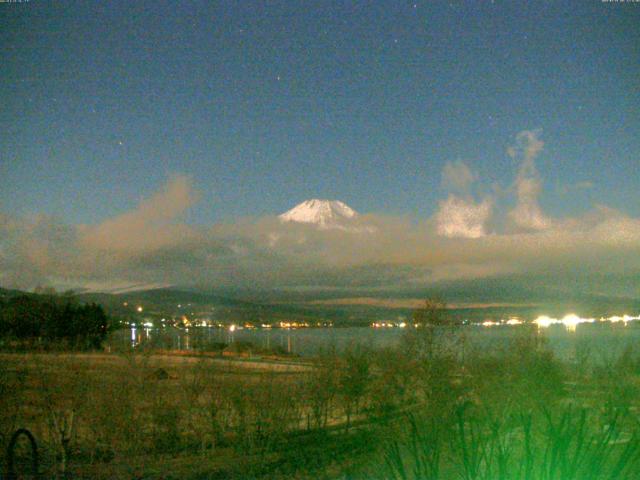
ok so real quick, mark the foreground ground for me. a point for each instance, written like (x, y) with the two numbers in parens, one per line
(423, 410)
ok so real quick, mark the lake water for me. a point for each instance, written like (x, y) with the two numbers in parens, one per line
(603, 341)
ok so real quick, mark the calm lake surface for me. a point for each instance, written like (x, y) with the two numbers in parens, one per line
(602, 341)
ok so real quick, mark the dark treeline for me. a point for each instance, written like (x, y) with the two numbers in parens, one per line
(47, 320)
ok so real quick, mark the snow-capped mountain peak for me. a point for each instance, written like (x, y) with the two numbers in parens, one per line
(322, 213)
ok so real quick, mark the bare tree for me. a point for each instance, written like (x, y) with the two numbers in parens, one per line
(354, 380)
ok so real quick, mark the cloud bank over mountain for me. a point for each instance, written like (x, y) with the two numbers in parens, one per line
(470, 235)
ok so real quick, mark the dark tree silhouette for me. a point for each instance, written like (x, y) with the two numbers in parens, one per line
(51, 318)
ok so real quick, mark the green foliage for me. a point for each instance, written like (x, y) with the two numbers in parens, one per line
(419, 454)
(392, 385)
(354, 380)
(433, 333)
(321, 387)
(524, 373)
(426, 409)
(567, 444)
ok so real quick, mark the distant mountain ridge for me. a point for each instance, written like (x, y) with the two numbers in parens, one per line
(345, 306)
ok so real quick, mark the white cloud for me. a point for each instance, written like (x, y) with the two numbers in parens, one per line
(527, 214)
(152, 245)
(527, 146)
(149, 226)
(457, 217)
(457, 176)
(453, 245)
(460, 216)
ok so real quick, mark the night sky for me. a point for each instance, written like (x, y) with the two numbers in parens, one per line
(522, 115)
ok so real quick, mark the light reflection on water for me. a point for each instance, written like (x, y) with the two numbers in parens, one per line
(602, 340)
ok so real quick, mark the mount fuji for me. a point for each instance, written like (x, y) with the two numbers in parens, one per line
(324, 214)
